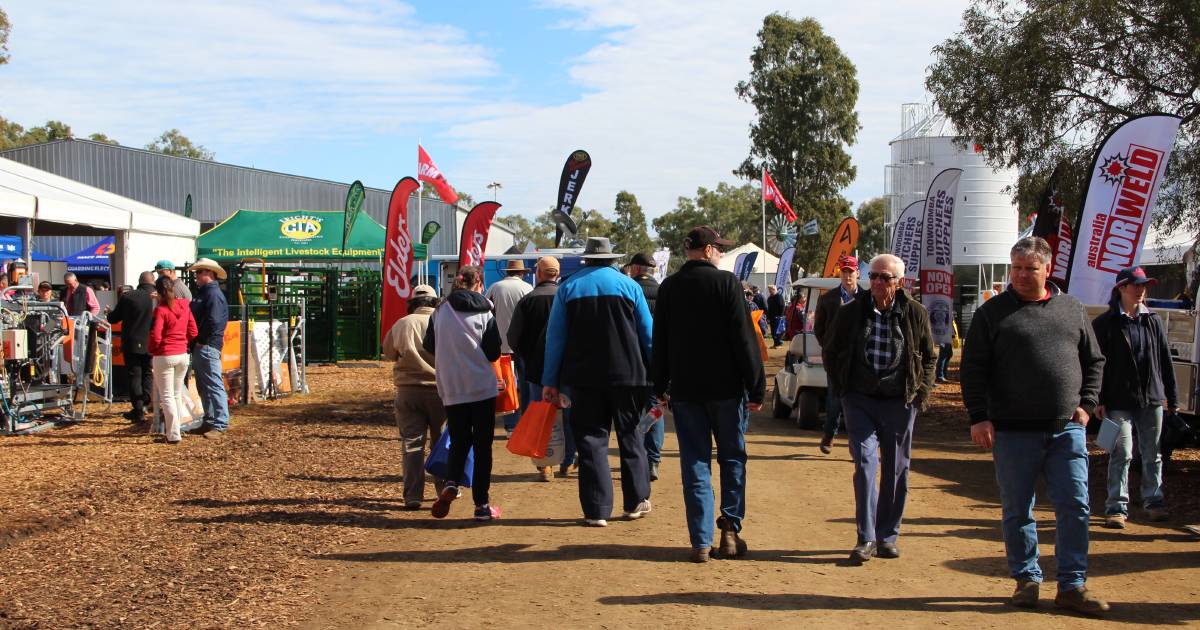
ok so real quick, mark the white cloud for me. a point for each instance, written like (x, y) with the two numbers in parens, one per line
(660, 117)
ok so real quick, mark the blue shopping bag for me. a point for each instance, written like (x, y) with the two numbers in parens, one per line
(438, 462)
(781, 327)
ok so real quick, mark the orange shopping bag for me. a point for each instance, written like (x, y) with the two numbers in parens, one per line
(532, 435)
(506, 399)
(762, 343)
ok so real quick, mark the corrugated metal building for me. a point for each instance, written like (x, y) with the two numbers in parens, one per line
(217, 190)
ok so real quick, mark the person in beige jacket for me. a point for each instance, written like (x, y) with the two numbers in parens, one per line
(419, 410)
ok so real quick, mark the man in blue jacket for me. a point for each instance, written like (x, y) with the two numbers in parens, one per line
(598, 344)
(211, 311)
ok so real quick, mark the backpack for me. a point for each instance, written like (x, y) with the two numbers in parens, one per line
(1176, 433)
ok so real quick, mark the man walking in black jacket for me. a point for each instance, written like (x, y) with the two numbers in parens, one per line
(706, 363)
(641, 268)
(135, 313)
(775, 314)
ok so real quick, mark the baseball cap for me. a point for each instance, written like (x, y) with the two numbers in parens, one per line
(164, 264)
(44, 285)
(1134, 275)
(423, 290)
(546, 264)
(701, 236)
(847, 262)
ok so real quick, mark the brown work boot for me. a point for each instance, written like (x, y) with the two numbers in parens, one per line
(731, 545)
(1026, 595)
(1114, 521)
(1081, 601)
(698, 555)
(1157, 514)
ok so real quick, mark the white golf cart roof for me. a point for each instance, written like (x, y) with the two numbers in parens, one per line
(813, 282)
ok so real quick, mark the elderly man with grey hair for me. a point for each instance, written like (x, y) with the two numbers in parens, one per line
(1031, 375)
(879, 360)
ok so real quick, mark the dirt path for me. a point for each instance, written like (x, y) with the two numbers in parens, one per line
(296, 519)
(538, 567)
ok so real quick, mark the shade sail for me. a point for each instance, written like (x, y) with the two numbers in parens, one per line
(94, 258)
(294, 235)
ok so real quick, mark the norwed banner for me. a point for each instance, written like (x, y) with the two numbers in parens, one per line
(906, 240)
(1125, 177)
(397, 257)
(783, 277)
(845, 239)
(475, 233)
(937, 273)
(354, 204)
(1054, 225)
(744, 265)
(570, 184)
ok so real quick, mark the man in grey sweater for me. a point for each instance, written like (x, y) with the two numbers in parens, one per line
(1031, 373)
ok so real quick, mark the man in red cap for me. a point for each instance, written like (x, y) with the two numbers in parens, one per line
(827, 307)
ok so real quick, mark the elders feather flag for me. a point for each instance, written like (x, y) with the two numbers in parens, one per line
(475, 233)
(1054, 225)
(1125, 176)
(937, 241)
(397, 256)
(427, 171)
(570, 184)
(771, 193)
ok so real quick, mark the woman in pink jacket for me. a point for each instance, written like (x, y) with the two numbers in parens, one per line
(172, 332)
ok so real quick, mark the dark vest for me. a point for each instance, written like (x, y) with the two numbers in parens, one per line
(77, 303)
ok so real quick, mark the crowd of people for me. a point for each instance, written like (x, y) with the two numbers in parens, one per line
(606, 346)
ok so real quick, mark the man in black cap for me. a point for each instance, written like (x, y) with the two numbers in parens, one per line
(641, 268)
(598, 345)
(706, 362)
(135, 313)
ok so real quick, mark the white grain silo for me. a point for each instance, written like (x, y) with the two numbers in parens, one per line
(985, 218)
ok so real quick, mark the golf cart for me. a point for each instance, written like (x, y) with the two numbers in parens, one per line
(800, 386)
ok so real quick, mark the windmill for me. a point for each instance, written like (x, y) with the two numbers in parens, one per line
(781, 234)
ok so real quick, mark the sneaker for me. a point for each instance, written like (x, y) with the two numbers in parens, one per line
(545, 474)
(641, 510)
(1081, 601)
(595, 522)
(487, 512)
(1026, 594)
(827, 444)
(441, 507)
(1157, 514)
(698, 555)
(653, 471)
(1114, 521)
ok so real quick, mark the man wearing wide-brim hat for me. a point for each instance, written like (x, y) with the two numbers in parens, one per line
(504, 296)
(211, 312)
(598, 345)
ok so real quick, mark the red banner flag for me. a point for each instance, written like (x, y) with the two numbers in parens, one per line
(771, 193)
(397, 257)
(427, 171)
(475, 233)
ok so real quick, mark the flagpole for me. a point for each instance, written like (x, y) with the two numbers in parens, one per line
(422, 266)
(763, 202)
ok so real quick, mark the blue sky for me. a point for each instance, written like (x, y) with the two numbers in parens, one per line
(496, 91)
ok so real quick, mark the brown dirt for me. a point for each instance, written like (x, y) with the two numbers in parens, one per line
(295, 519)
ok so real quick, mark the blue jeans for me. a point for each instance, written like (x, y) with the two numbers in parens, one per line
(654, 441)
(1021, 457)
(945, 353)
(881, 431)
(696, 424)
(206, 365)
(1148, 421)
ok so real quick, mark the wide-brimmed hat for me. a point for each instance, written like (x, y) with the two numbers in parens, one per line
(598, 248)
(643, 259)
(1134, 275)
(208, 264)
(515, 265)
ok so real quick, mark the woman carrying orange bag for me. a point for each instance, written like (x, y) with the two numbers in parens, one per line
(464, 341)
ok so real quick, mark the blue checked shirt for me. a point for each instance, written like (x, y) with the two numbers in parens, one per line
(881, 345)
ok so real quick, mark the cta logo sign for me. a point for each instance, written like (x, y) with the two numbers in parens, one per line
(300, 228)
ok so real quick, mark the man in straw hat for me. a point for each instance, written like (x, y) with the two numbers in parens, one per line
(598, 344)
(504, 296)
(211, 311)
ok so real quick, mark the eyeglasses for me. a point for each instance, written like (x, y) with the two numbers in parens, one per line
(882, 277)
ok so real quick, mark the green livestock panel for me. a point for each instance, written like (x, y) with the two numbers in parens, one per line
(358, 307)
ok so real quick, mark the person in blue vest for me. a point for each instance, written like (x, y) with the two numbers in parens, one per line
(598, 344)
(211, 311)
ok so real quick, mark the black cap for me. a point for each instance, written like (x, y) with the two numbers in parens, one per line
(44, 285)
(702, 236)
(643, 259)
(1135, 275)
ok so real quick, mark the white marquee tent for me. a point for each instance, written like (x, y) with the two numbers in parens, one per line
(36, 203)
(764, 269)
